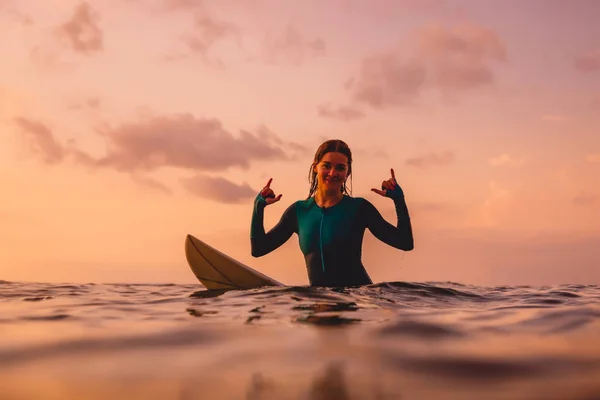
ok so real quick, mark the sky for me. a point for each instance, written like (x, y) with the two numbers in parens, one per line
(127, 124)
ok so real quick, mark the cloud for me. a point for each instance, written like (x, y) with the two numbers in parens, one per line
(587, 62)
(82, 30)
(42, 141)
(18, 16)
(208, 31)
(467, 42)
(44, 144)
(386, 80)
(179, 141)
(92, 103)
(218, 189)
(291, 47)
(458, 57)
(48, 57)
(183, 141)
(444, 59)
(586, 199)
(150, 183)
(432, 159)
(593, 158)
(343, 113)
(505, 160)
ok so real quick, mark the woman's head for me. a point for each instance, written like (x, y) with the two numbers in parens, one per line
(331, 167)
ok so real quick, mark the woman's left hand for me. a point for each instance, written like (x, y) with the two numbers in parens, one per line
(390, 188)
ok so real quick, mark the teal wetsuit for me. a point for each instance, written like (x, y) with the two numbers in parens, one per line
(331, 238)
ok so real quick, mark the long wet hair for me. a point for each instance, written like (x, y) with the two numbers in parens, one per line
(329, 146)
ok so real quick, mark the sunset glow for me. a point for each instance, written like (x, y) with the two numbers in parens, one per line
(127, 124)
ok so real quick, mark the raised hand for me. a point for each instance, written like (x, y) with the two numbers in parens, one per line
(268, 194)
(390, 187)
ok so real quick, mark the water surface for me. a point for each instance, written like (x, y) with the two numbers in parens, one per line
(396, 340)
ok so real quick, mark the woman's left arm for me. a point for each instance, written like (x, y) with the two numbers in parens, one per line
(401, 235)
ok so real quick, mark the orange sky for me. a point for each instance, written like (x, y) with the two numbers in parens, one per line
(128, 124)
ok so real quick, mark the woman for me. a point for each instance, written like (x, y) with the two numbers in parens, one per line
(330, 223)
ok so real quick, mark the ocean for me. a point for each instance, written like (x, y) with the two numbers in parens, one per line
(395, 340)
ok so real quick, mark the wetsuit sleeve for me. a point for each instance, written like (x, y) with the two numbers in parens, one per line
(399, 236)
(262, 242)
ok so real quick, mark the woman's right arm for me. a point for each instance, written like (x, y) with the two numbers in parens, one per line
(262, 242)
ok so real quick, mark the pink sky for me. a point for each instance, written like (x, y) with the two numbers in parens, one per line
(128, 124)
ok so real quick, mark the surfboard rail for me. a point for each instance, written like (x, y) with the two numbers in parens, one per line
(217, 270)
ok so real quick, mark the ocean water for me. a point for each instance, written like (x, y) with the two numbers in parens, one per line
(396, 340)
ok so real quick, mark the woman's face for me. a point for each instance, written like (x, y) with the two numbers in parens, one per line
(332, 171)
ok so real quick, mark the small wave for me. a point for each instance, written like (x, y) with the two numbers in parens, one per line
(421, 330)
(480, 370)
(427, 290)
(38, 298)
(326, 320)
(163, 340)
(55, 317)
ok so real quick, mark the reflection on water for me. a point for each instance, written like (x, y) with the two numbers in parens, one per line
(393, 340)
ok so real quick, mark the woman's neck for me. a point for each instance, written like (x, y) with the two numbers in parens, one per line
(325, 198)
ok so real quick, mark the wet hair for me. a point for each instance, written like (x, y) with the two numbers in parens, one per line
(330, 146)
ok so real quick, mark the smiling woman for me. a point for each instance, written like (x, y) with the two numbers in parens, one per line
(331, 223)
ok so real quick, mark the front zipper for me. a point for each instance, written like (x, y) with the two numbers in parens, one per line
(321, 240)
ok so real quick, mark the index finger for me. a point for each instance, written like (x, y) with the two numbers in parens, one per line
(269, 183)
(393, 175)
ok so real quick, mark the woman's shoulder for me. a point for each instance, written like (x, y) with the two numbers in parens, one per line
(304, 203)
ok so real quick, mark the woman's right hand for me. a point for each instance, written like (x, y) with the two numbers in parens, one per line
(268, 194)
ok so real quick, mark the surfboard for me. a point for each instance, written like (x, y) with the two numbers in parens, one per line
(216, 270)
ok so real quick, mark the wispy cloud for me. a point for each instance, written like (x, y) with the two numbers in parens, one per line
(42, 141)
(82, 30)
(8, 8)
(432, 159)
(587, 62)
(91, 103)
(218, 189)
(291, 47)
(505, 160)
(206, 33)
(586, 199)
(150, 183)
(208, 30)
(343, 113)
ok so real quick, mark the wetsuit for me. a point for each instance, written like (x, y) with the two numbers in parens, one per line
(331, 238)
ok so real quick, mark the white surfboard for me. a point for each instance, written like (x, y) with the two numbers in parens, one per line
(216, 270)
